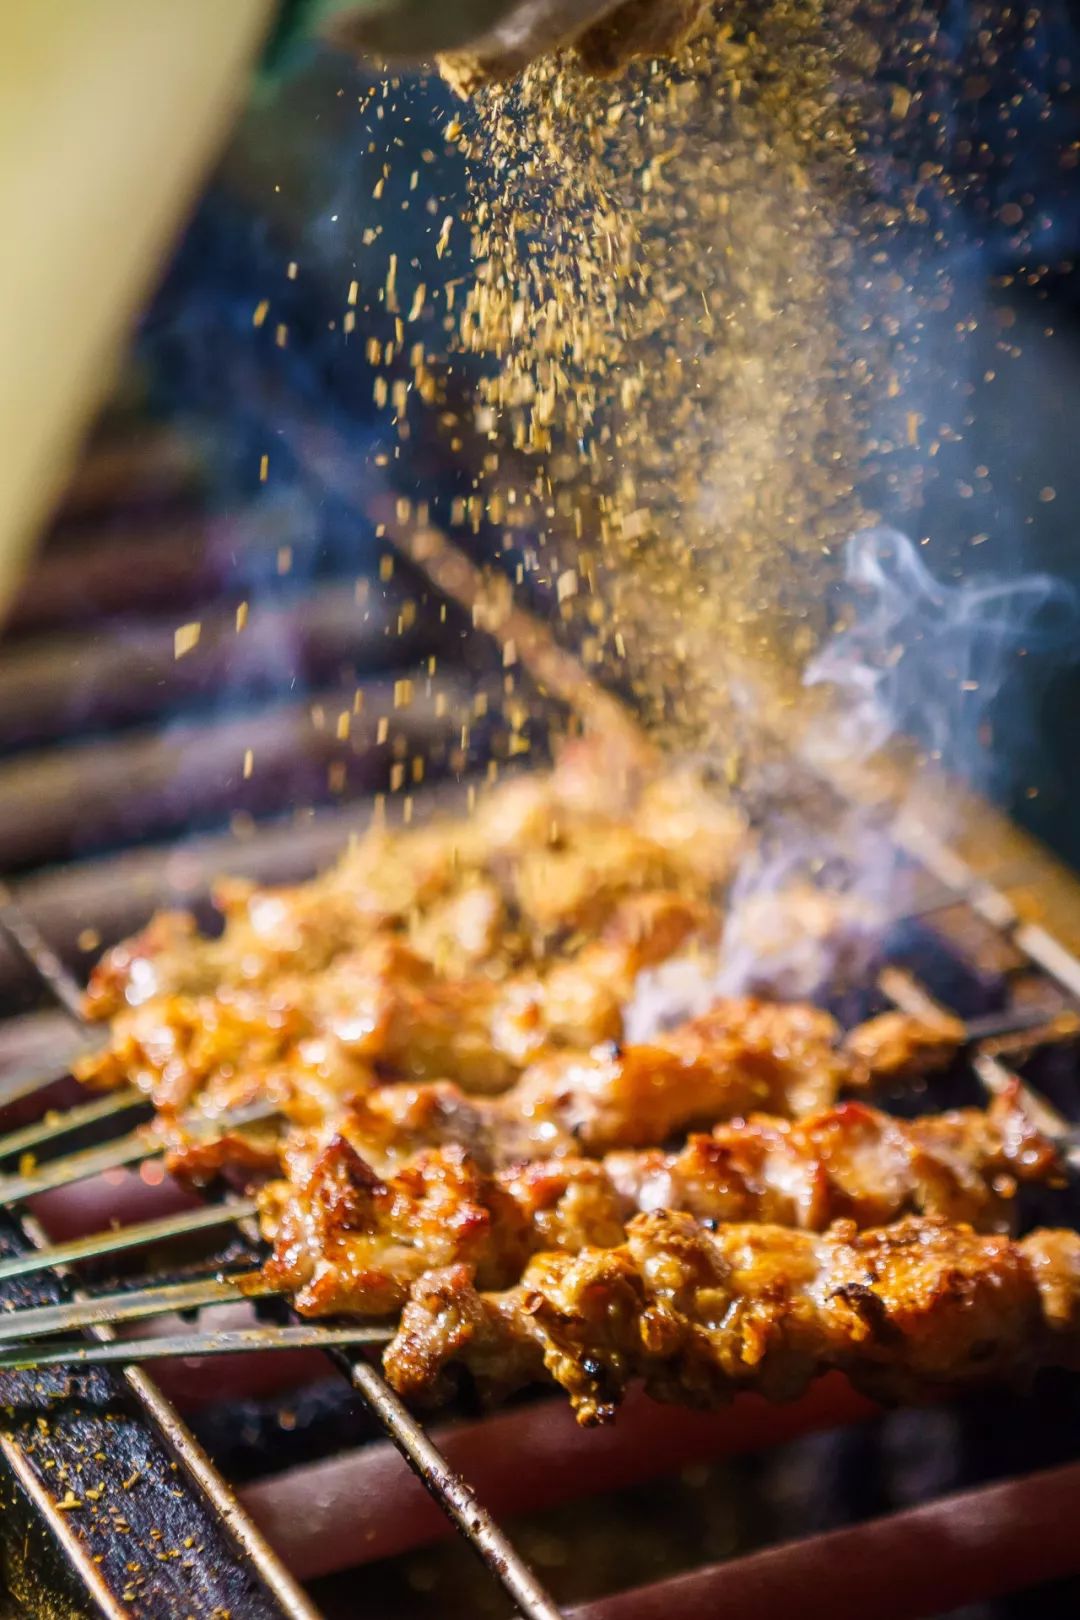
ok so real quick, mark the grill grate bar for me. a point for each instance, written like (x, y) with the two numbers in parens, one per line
(906, 992)
(454, 1495)
(40, 956)
(153, 1432)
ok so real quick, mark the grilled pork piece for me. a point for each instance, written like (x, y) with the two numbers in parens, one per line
(542, 864)
(742, 1056)
(384, 1010)
(907, 1311)
(347, 1240)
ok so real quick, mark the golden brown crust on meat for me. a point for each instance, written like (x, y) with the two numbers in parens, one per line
(462, 951)
(349, 1240)
(743, 1056)
(919, 1308)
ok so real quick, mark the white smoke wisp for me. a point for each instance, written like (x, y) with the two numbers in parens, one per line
(943, 663)
(930, 660)
(806, 907)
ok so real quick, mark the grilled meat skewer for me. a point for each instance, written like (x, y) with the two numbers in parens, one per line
(384, 1009)
(921, 1308)
(347, 1240)
(742, 1056)
(535, 873)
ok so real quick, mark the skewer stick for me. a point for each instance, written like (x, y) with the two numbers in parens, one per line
(56, 1124)
(135, 1148)
(907, 993)
(74, 1167)
(118, 1239)
(229, 1342)
(135, 1305)
(1018, 1021)
(27, 1084)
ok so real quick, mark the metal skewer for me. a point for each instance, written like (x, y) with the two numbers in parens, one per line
(1020, 1021)
(56, 1124)
(134, 1306)
(79, 1167)
(228, 1342)
(14, 1090)
(132, 1149)
(115, 1240)
(900, 987)
(997, 1077)
(31, 943)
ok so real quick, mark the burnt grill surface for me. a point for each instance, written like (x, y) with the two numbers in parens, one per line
(151, 1539)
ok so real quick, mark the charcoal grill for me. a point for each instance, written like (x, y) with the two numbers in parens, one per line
(110, 1505)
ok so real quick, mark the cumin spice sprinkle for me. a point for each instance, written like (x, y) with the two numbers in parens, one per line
(661, 265)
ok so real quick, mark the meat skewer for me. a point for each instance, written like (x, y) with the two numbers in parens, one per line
(459, 951)
(742, 1056)
(384, 1009)
(918, 1309)
(539, 868)
(347, 1240)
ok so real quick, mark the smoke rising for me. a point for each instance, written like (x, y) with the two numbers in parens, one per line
(954, 666)
(957, 667)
